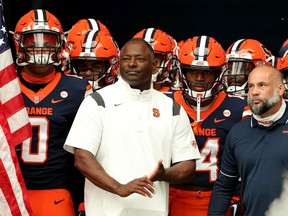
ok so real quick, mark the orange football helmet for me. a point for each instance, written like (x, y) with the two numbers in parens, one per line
(202, 53)
(242, 56)
(180, 44)
(282, 65)
(174, 77)
(166, 51)
(81, 27)
(100, 47)
(38, 38)
(284, 49)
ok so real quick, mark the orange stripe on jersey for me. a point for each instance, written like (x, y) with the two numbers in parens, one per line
(88, 87)
(165, 89)
(42, 93)
(204, 114)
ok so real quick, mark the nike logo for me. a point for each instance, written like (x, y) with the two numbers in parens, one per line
(218, 120)
(118, 104)
(234, 207)
(57, 202)
(56, 101)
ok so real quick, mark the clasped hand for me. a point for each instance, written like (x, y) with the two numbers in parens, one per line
(144, 185)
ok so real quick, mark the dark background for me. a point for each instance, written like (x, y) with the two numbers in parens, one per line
(225, 20)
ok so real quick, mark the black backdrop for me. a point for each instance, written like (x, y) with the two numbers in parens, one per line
(225, 20)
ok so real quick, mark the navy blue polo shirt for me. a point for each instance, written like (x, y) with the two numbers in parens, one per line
(259, 155)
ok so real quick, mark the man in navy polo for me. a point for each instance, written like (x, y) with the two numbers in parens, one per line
(256, 148)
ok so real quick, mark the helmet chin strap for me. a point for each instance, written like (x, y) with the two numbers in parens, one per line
(204, 94)
(198, 108)
(95, 83)
(154, 76)
(159, 70)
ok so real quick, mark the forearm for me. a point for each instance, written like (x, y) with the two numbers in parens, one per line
(180, 172)
(94, 172)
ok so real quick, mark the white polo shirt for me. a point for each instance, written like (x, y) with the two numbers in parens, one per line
(128, 136)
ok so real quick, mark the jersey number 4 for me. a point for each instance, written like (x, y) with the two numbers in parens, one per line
(209, 158)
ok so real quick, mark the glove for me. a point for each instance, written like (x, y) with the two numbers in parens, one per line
(235, 209)
(81, 213)
(81, 210)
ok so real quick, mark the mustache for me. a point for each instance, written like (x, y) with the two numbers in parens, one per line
(251, 99)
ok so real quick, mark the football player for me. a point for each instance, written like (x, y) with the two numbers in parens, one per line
(243, 56)
(80, 27)
(166, 53)
(52, 99)
(212, 113)
(282, 66)
(95, 56)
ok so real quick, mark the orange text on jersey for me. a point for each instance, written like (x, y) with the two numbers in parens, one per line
(39, 110)
(205, 132)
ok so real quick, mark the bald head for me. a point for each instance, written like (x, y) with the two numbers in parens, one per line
(266, 90)
(266, 72)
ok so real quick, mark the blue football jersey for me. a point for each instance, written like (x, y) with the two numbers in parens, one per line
(43, 161)
(211, 132)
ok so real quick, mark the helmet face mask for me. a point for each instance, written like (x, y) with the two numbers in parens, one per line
(95, 53)
(38, 39)
(164, 62)
(91, 69)
(40, 48)
(166, 51)
(243, 56)
(236, 76)
(202, 81)
(204, 57)
(285, 81)
(285, 77)
(282, 65)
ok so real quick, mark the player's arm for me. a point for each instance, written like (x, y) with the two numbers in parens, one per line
(92, 170)
(178, 173)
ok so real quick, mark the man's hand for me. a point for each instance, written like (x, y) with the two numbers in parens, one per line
(143, 186)
(158, 173)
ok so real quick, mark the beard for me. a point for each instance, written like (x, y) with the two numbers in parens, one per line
(266, 104)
